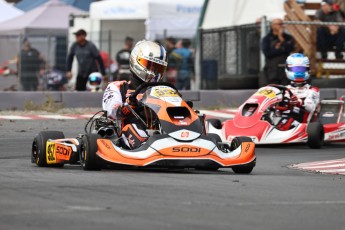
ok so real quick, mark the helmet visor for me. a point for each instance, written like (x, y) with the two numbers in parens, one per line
(155, 68)
(298, 69)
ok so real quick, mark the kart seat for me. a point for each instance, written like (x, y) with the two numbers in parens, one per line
(331, 111)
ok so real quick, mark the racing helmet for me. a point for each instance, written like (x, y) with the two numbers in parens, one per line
(94, 82)
(148, 61)
(297, 68)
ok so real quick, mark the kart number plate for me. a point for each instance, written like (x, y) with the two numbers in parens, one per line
(163, 92)
(267, 93)
(51, 156)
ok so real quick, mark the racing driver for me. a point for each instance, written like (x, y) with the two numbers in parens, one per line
(147, 63)
(305, 99)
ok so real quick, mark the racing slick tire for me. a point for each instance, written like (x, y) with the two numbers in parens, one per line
(215, 122)
(88, 157)
(242, 169)
(316, 135)
(38, 150)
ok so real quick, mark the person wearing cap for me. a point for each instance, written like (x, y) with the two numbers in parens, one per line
(331, 35)
(122, 59)
(88, 57)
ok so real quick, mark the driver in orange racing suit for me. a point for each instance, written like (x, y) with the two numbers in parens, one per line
(147, 63)
(302, 105)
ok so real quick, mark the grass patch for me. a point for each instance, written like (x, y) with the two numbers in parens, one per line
(49, 105)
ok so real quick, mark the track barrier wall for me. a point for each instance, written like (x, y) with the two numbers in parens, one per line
(204, 99)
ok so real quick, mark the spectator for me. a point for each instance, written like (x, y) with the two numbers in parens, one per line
(122, 59)
(30, 64)
(88, 57)
(330, 36)
(253, 41)
(276, 46)
(173, 63)
(186, 66)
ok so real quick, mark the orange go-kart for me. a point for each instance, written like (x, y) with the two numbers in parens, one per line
(178, 139)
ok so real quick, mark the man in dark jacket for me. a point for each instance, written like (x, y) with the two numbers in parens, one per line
(88, 57)
(276, 46)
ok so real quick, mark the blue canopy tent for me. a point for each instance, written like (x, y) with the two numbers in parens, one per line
(27, 5)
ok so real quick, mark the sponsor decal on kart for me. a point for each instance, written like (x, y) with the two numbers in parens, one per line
(267, 93)
(56, 151)
(50, 153)
(63, 152)
(163, 91)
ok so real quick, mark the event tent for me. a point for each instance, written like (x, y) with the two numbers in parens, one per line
(8, 11)
(27, 5)
(46, 28)
(223, 13)
(158, 18)
(49, 18)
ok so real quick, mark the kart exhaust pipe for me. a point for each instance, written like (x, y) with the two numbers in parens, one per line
(106, 132)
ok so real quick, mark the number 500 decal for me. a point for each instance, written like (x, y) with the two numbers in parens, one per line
(51, 157)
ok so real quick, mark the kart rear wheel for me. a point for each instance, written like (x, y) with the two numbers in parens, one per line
(242, 169)
(316, 135)
(38, 150)
(88, 157)
(215, 122)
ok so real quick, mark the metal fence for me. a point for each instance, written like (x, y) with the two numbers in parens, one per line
(234, 52)
(229, 52)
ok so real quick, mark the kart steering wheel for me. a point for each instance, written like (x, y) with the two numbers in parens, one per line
(285, 100)
(133, 97)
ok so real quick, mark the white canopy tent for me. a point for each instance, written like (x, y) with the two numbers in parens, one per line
(223, 13)
(155, 18)
(8, 11)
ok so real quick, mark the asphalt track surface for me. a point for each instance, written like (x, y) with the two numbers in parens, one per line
(272, 197)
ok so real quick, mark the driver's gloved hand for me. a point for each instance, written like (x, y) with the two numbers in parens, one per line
(295, 101)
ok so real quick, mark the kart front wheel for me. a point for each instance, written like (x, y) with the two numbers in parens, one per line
(88, 157)
(38, 150)
(242, 169)
(316, 135)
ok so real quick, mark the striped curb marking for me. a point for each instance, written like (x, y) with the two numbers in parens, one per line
(336, 167)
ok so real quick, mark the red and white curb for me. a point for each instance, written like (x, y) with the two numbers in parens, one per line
(336, 167)
(221, 114)
(45, 117)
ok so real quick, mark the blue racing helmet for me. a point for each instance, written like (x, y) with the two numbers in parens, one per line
(297, 68)
(94, 82)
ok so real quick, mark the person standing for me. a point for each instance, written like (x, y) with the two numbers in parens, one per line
(186, 66)
(88, 57)
(331, 35)
(30, 64)
(276, 46)
(122, 59)
(172, 68)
